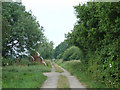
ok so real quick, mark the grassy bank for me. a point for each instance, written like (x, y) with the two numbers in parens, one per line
(24, 76)
(76, 68)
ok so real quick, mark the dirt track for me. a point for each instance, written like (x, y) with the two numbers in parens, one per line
(52, 79)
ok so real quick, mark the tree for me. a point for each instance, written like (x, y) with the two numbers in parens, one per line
(46, 49)
(21, 32)
(72, 53)
(59, 50)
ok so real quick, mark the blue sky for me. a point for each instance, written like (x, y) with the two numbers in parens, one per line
(56, 16)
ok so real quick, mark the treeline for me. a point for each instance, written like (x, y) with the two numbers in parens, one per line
(67, 52)
(22, 33)
(97, 34)
(59, 50)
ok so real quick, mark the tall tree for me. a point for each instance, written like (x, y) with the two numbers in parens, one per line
(46, 49)
(21, 32)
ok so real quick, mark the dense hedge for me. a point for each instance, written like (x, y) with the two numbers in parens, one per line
(97, 34)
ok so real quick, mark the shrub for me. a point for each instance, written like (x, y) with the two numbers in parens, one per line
(24, 62)
(72, 53)
(59, 56)
(8, 61)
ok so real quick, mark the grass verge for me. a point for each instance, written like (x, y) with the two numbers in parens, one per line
(76, 68)
(62, 82)
(57, 68)
(24, 76)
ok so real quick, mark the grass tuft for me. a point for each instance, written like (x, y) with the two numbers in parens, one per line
(57, 68)
(62, 82)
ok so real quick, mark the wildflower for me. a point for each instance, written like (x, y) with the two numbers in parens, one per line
(110, 65)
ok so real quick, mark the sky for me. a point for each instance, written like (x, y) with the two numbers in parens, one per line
(56, 16)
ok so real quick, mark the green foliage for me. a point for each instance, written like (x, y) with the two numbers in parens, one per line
(46, 49)
(72, 53)
(48, 62)
(24, 62)
(59, 50)
(22, 34)
(59, 56)
(59, 61)
(97, 34)
(8, 61)
(33, 53)
(75, 67)
(21, 30)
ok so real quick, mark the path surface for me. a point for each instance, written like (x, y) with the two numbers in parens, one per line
(52, 79)
(73, 81)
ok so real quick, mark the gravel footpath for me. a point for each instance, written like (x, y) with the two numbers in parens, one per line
(52, 79)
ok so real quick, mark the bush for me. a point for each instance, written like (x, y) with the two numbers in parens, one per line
(18, 61)
(59, 56)
(72, 53)
(24, 62)
(8, 61)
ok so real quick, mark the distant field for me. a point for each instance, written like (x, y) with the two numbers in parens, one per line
(24, 76)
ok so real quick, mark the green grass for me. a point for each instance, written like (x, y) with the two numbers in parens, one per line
(62, 82)
(57, 68)
(24, 76)
(77, 69)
